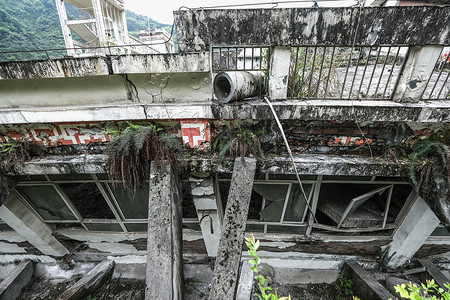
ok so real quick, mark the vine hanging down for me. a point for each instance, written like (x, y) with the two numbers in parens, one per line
(131, 152)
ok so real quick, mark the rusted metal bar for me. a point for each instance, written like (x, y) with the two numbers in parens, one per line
(312, 71)
(320, 71)
(364, 73)
(392, 71)
(382, 71)
(329, 72)
(373, 72)
(346, 71)
(354, 75)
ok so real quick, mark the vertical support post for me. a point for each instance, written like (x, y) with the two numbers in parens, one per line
(164, 278)
(98, 14)
(411, 233)
(314, 203)
(280, 60)
(65, 29)
(416, 73)
(17, 216)
(207, 211)
(230, 248)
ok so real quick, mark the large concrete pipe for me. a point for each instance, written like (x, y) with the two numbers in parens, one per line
(236, 85)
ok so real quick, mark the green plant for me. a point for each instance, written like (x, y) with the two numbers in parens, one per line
(423, 292)
(429, 157)
(242, 141)
(264, 290)
(131, 152)
(344, 286)
(16, 152)
(306, 65)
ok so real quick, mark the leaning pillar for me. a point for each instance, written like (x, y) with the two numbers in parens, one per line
(412, 231)
(20, 218)
(164, 278)
(232, 238)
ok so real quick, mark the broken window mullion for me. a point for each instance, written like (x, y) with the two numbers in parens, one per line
(286, 199)
(388, 203)
(68, 202)
(314, 203)
(110, 204)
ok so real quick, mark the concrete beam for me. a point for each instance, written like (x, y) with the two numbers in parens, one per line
(312, 164)
(206, 205)
(339, 110)
(280, 61)
(98, 66)
(311, 26)
(17, 216)
(437, 275)
(230, 248)
(90, 282)
(419, 67)
(419, 222)
(19, 278)
(245, 285)
(164, 277)
(364, 284)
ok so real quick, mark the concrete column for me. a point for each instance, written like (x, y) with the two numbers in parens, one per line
(280, 59)
(207, 211)
(232, 238)
(411, 233)
(418, 69)
(164, 277)
(29, 226)
(65, 29)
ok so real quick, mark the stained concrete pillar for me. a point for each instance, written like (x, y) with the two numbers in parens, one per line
(280, 60)
(164, 276)
(207, 211)
(232, 238)
(417, 71)
(14, 213)
(417, 225)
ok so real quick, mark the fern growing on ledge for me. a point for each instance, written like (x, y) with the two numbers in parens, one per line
(131, 152)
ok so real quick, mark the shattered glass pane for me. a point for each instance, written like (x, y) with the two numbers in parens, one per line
(296, 203)
(47, 202)
(103, 227)
(88, 200)
(275, 195)
(136, 208)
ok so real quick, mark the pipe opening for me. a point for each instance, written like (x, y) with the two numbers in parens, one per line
(223, 87)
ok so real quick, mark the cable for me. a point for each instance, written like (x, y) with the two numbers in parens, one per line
(362, 3)
(292, 158)
(265, 3)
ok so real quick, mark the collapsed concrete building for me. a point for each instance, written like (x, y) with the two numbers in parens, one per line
(348, 89)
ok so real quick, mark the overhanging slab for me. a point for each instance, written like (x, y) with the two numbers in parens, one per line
(199, 29)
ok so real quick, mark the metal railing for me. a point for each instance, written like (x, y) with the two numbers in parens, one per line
(240, 58)
(438, 85)
(335, 72)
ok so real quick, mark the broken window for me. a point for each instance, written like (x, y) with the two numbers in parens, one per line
(91, 202)
(47, 202)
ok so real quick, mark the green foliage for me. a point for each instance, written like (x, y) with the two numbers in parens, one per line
(306, 64)
(131, 152)
(16, 152)
(265, 291)
(344, 286)
(241, 141)
(428, 157)
(34, 25)
(429, 291)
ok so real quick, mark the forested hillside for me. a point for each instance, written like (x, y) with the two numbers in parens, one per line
(34, 25)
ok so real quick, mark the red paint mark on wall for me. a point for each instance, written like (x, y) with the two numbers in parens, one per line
(195, 132)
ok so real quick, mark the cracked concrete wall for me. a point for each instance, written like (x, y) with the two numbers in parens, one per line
(106, 90)
(98, 66)
(199, 29)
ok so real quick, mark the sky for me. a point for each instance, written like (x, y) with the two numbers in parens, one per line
(162, 11)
